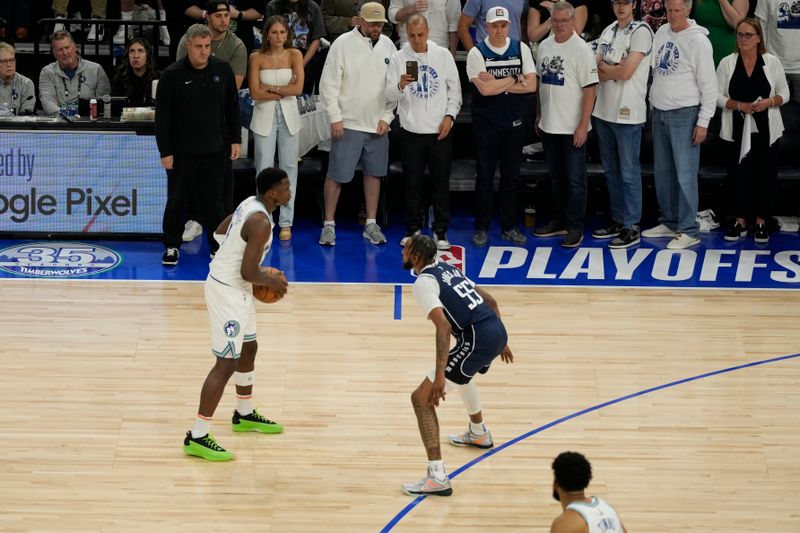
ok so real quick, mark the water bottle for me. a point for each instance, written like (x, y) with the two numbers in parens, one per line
(93, 109)
(6, 110)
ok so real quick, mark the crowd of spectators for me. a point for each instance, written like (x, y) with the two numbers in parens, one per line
(588, 65)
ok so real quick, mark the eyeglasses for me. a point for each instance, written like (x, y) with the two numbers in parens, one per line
(10, 61)
(745, 34)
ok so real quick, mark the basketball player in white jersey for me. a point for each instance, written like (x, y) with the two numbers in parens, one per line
(229, 297)
(581, 514)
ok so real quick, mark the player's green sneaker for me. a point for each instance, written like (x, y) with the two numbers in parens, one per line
(205, 447)
(254, 422)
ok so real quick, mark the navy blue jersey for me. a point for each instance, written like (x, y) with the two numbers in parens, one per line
(503, 111)
(462, 304)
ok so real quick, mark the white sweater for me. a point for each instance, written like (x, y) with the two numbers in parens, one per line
(777, 81)
(423, 104)
(683, 71)
(353, 81)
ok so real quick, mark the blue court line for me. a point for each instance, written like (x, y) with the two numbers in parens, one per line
(398, 302)
(407, 509)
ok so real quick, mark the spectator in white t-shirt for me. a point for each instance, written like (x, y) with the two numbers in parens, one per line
(568, 82)
(619, 116)
(782, 37)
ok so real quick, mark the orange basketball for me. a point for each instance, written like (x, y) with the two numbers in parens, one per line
(265, 294)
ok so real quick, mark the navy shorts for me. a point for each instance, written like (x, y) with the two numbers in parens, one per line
(475, 350)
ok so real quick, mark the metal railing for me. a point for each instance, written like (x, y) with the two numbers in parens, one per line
(44, 27)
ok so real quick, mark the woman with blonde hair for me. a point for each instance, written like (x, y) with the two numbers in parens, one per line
(275, 77)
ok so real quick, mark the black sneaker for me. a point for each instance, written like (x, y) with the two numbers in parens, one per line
(514, 235)
(626, 238)
(573, 239)
(480, 237)
(736, 232)
(551, 229)
(170, 257)
(760, 234)
(608, 232)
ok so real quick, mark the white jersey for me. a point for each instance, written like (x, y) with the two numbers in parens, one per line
(227, 264)
(599, 516)
(621, 101)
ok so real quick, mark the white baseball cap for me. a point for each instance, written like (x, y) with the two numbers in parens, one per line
(496, 14)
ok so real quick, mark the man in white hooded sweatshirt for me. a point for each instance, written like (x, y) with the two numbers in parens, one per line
(427, 109)
(683, 99)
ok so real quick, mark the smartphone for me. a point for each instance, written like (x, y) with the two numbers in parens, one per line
(412, 69)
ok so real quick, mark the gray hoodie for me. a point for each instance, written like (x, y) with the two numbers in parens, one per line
(683, 71)
(56, 89)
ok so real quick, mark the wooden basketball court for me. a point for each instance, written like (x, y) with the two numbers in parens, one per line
(100, 381)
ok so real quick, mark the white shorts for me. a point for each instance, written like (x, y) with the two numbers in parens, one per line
(233, 318)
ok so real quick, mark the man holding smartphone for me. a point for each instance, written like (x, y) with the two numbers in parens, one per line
(423, 80)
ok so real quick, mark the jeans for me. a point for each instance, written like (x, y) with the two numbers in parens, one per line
(567, 168)
(676, 162)
(288, 146)
(493, 146)
(619, 150)
(417, 150)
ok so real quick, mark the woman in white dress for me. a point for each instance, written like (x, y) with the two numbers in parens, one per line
(275, 77)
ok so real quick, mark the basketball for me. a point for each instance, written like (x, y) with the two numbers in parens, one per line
(265, 294)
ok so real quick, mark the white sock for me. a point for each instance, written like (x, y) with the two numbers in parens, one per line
(126, 15)
(244, 404)
(371, 221)
(202, 426)
(162, 14)
(436, 469)
(478, 429)
(329, 223)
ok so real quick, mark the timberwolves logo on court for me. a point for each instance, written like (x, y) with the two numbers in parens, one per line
(57, 260)
(668, 59)
(428, 84)
(789, 15)
(231, 328)
(552, 70)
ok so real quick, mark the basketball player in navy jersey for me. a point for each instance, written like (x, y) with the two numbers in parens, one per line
(457, 307)
(581, 514)
(229, 297)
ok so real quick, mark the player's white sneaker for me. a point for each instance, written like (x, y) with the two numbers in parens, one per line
(468, 438)
(429, 485)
